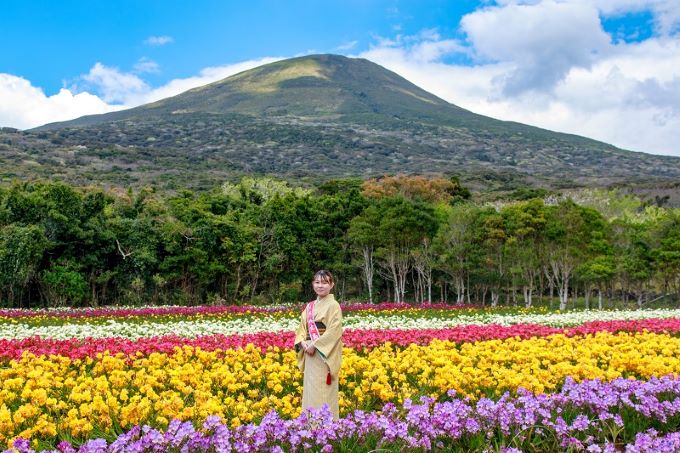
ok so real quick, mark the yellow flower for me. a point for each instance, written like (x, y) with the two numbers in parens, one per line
(243, 385)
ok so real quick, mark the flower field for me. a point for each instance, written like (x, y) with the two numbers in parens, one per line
(413, 379)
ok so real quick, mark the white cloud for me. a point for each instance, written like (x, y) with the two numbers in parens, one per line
(550, 64)
(347, 46)
(464, 84)
(24, 106)
(543, 41)
(206, 75)
(666, 12)
(130, 90)
(146, 65)
(113, 85)
(158, 40)
(426, 46)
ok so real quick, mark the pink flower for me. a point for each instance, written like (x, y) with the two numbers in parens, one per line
(354, 338)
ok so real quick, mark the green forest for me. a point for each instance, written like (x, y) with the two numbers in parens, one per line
(402, 239)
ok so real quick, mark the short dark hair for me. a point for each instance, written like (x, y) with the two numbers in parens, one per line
(324, 275)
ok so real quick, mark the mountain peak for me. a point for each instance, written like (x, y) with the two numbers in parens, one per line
(270, 81)
(313, 85)
(319, 86)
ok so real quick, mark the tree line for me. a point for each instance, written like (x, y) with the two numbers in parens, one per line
(399, 238)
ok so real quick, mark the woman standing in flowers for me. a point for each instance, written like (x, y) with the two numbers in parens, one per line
(318, 343)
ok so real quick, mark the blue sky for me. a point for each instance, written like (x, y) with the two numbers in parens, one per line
(65, 38)
(607, 69)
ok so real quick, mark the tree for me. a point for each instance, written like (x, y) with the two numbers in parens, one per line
(598, 271)
(632, 250)
(569, 237)
(492, 238)
(403, 225)
(64, 286)
(424, 259)
(454, 243)
(363, 233)
(261, 190)
(525, 225)
(337, 205)
(597, 266)
(416, 188)
(21, 250)
(667, 254)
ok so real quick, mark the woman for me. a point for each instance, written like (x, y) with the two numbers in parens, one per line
(318, 343)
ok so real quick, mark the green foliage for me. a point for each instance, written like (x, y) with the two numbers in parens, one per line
(458, 192)
(600, 269)
(21, 249)
(612, 204)
(61, 245)
(404, 223)
(527, 193)
(64, 286)
(260, 190)
(667, 254)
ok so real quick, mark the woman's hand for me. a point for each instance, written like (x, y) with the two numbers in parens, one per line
(309, 349)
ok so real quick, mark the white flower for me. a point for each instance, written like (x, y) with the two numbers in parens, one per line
(246, 324)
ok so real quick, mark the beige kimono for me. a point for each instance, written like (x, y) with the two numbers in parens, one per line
(326, 359)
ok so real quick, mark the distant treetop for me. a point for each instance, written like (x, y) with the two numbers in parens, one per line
(421, 188)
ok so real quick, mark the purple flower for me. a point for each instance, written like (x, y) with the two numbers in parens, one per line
(93, 446)
(428, 424)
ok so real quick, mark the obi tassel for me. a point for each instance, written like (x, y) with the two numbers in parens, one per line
(328, 378)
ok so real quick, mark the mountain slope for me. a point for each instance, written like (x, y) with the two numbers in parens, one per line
(318, 86)
(314, 117)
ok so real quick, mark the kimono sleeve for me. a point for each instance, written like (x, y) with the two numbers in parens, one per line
(301, 331)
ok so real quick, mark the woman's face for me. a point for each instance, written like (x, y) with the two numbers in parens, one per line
(321, 287)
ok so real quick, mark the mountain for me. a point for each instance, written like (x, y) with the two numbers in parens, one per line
(314, 87)
(313, 118)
